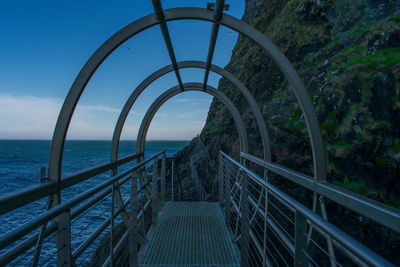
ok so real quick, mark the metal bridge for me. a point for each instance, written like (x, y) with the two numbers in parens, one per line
(250, 223)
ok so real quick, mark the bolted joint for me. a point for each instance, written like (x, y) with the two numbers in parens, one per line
(218, 7)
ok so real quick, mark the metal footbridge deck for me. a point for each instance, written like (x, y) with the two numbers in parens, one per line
(191, 234)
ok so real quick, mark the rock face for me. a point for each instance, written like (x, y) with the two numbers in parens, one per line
(354, 90)
(313, 11)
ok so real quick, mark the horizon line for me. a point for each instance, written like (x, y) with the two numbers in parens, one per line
(130, 140)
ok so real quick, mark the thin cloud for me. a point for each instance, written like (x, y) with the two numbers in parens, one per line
(31, 117)
(100, 107)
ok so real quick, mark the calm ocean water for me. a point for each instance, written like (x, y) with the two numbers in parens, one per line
(20, 163)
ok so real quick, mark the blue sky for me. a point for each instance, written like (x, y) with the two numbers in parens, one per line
(45, 44)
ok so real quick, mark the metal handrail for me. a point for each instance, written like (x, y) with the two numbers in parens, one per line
(355, 247)
(201, 191)
(374, 210)
(14, 235)
(29, 194)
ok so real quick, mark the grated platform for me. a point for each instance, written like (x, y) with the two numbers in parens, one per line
(190, 234)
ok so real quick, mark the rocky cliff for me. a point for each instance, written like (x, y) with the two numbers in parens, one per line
(348, 56)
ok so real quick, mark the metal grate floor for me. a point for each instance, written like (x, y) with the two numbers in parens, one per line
(190, 234)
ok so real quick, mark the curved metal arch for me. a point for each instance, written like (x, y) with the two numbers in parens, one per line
(189, 64)
(163, 71)
(164, 97)
(144, 127)
(64, 119)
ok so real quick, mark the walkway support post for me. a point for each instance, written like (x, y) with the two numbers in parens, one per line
(162, 198)
(227, 201)
(221, 183)
(172, 178)
(300, 258)
(244, 224)
(154, 191)
(133, 223)
(63, 239)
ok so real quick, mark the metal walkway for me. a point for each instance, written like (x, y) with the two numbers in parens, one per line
(271, 227)
(190, 234)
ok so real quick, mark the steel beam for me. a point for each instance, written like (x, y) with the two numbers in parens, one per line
(219, 7)
(158, 10)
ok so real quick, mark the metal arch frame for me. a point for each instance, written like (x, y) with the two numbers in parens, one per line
(163, 71)
(146, 22)
(164, 97)
(190, 64)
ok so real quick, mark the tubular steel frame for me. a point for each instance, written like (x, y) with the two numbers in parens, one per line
(146, 22)
(141, 139)
(60, 213)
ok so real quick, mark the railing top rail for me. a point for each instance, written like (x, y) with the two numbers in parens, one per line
(29, 194)
(366, 254)
(9, 237)
(372, 209)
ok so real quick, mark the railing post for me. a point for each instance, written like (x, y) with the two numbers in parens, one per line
(154, 191)
(221, 182)
(112, 226)
(41, 236)
(244, 225)
(133, 224)
(63, 239)
(300, 258)
(172, 178)
(227, 206)
(265, 238)
(162, 198)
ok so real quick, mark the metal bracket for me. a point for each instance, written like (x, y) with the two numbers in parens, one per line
(43, 177)
(211, 6)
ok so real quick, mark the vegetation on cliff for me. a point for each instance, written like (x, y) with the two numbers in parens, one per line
(348, 56)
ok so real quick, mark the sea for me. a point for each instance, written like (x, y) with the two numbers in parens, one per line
(20, 165)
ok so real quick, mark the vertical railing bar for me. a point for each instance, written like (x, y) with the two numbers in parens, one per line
(172, 178)
(154, 198)
(162, 198)
(244, 226)
(221, 182)
(331, 250)
(227, 195)
(133, 223)
(142, 199)
(300, 259)
(265, 260)
(112, 227)
(42, 232)
(63, 239)
(40, 239)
